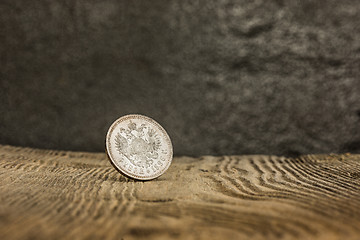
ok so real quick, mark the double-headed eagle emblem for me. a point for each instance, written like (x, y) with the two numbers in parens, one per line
(138, 144)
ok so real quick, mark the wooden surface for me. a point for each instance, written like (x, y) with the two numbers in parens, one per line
(67, 195)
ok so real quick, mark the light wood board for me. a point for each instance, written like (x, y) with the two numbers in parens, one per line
(66, 195)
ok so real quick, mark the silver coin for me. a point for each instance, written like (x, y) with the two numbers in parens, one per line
(139, 147)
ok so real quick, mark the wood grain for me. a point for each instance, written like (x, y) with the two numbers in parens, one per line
(66, 195)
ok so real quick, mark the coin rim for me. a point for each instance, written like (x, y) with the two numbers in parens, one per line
(119, 168)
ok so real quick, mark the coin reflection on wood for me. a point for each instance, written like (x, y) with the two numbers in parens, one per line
(139, 147)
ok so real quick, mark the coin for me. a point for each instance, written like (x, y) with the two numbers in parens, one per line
(139, 147)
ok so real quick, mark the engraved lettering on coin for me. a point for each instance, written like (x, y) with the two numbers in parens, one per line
(139, 147)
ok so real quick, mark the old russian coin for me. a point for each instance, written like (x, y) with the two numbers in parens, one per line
(139, 147)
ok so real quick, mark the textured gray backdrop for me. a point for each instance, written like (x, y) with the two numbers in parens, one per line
(222, 76)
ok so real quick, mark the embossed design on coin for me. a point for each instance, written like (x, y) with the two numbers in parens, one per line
(139, 147)
(138, 144)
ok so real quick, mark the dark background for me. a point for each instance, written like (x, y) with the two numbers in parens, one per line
(222, 77)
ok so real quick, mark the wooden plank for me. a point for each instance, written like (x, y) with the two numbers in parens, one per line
(67, 195)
